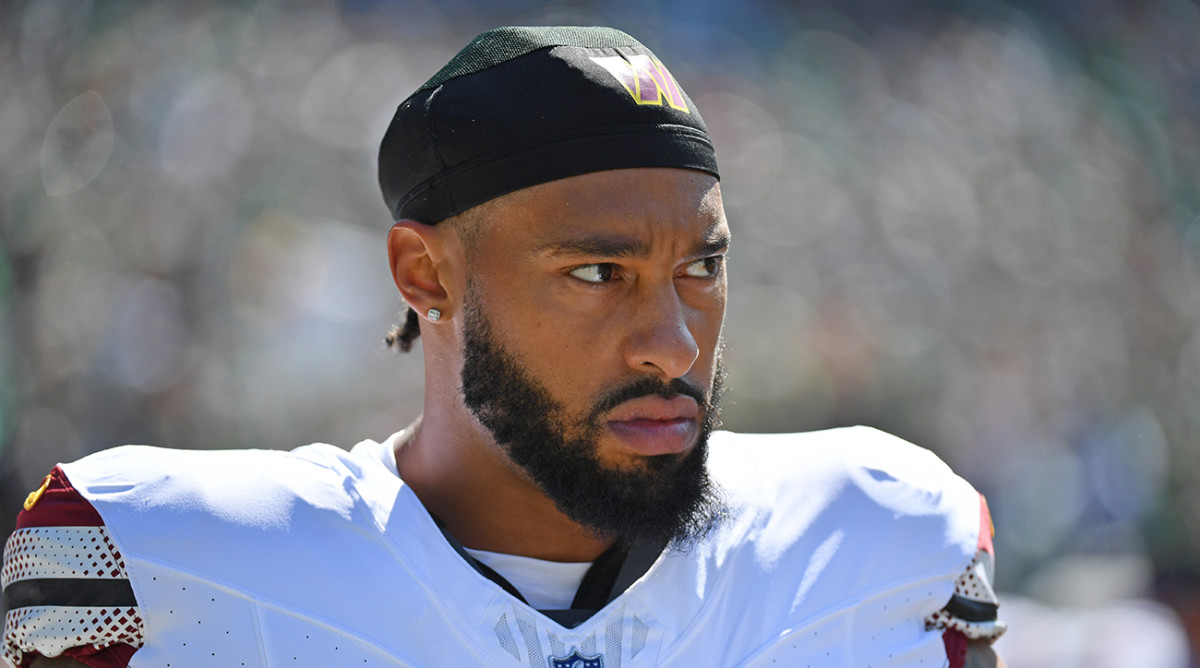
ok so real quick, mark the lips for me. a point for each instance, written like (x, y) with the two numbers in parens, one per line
(656, 426)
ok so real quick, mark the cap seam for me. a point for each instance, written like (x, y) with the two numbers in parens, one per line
(436, 139)
(481, 70)
(624, 41)
(636, 47)
(480, 161)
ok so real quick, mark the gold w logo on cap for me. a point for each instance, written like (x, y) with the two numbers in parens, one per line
(646, 79)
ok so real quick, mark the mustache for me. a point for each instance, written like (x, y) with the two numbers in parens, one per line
(650, 387)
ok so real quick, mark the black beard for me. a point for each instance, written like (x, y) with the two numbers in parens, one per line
(671, 499)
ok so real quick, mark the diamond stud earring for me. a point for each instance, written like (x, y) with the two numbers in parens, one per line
(433, 314)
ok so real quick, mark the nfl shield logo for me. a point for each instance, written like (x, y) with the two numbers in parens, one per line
(576, 660)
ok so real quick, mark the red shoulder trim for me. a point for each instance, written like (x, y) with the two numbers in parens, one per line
(986, 530)
(60, 505)
(112, 656)
(956, 647)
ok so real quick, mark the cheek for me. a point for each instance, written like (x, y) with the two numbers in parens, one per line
(575, 353)
(554, 318)
(707, 311)
(565, 345)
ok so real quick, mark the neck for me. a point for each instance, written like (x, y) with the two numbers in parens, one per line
(466, 480)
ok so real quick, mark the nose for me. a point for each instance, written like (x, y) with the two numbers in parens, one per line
(661, 341)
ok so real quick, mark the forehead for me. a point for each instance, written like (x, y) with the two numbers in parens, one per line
(654, 204)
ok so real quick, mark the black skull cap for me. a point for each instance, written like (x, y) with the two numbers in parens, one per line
(522, 106)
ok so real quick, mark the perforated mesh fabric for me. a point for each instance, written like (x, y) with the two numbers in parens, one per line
(503, 44)
(640, 631)
(612, 642)
(505, 636)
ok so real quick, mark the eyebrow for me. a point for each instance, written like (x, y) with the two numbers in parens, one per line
(716, 242)
(621, 247)
(596, 246)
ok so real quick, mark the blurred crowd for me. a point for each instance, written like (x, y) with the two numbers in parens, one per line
(973, 224)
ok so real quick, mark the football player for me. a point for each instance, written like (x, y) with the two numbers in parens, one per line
(564, 499)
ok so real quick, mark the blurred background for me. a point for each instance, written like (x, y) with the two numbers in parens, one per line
(973, 224)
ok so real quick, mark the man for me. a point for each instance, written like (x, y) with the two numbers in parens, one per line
(563, 499)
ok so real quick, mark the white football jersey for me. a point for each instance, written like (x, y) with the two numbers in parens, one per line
(838, 546)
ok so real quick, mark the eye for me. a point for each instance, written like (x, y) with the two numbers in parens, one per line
(709, 267)
(594, 273)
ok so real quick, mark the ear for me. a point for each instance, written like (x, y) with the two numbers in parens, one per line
(416, 253)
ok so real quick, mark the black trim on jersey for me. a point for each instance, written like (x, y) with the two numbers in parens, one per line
(972, 611)
(607, 578)
(480, 567)
(487, 572)
(599, 580)
(569, 618)
(87, 592)
(641, 557)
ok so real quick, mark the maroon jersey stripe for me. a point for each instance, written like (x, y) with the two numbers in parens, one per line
(60, 505)
(112, 656)
(957, 645)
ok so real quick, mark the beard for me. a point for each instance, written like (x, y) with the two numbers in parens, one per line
(669, 500)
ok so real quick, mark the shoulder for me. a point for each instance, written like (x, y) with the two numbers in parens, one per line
(844, 446)
(109, 532)
(65, 579)
(858, 465)
(134, 465)
(251, 487)
(848, 534)
(188, 508)
(891, 511)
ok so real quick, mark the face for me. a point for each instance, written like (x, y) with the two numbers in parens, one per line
(590, 336)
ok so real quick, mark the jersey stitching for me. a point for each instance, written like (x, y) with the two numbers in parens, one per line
(260, 636)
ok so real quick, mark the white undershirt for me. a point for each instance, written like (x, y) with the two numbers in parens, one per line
(546, 585)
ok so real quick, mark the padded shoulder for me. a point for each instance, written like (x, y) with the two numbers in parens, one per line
(187, 509)
(257, 488)
(65, 581)
(889, 470)
(912, 514)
